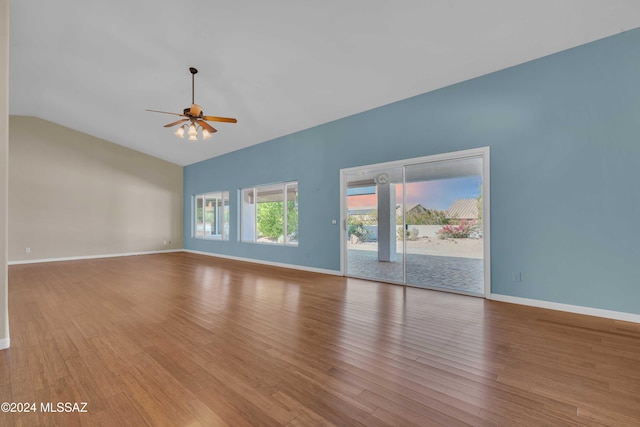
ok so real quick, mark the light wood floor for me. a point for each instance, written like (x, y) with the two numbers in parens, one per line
(187, 340)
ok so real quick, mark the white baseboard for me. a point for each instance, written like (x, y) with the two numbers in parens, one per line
(597, 312)
(273, 264)
(4, 343)
(75, 258)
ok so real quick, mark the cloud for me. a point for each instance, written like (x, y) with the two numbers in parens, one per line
(436, 194)
(364, 201)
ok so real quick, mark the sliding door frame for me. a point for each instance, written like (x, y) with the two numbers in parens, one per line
(482, 152)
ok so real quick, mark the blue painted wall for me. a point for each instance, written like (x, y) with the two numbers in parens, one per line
(564, 133)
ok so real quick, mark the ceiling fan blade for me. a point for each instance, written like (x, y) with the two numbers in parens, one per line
(220, 119)
(166, 112)
(206, 126)
(176, 122)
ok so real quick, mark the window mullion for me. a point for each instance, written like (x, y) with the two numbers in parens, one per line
(284, 214)
(255, 214)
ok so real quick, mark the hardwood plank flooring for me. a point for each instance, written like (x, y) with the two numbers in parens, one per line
(187, 340)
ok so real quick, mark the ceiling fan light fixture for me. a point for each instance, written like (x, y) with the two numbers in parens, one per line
(192, 130)
(206, 134)
(193, 137)
(180, 132)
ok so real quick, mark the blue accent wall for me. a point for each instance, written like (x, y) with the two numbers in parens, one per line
(564, 132)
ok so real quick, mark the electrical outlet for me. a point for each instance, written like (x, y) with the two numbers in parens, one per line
(27, 250)
(164, 242)
(516, 277)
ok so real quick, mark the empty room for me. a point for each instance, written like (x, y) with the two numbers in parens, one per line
(363, 213)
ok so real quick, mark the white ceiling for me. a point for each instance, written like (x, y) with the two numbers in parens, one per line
(278, 66)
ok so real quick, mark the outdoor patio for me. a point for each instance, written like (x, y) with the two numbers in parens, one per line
(462, 272)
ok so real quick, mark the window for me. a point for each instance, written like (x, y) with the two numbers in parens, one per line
(211, 216)
(270, 214)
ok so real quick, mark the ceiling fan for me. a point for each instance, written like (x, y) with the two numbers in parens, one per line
(195, 116)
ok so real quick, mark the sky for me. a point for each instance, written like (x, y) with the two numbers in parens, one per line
(438, 194)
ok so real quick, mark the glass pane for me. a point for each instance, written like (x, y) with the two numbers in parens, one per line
(219, 216)
(292, 213)
(225, 215)
(210, 217)
(374, 225)
(444, 244)
(199, 217)
(248, 215)
(270, 213)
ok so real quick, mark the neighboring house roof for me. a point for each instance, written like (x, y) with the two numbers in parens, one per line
(463, 208)
(412, 207)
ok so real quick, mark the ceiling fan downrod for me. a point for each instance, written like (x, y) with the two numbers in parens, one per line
(193, 83)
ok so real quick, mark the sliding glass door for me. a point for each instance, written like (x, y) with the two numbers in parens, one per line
(420, 222)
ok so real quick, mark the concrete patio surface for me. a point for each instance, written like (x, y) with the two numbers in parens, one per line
(458, 265)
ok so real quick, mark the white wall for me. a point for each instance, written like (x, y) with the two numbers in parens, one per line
(74, 195)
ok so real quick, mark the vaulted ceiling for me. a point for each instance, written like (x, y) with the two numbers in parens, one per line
(279, 66)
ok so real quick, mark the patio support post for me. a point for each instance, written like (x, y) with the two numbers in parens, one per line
(387, 222)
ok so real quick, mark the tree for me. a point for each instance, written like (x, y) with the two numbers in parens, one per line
(427, 217)
(270, 219)
(292, 217)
